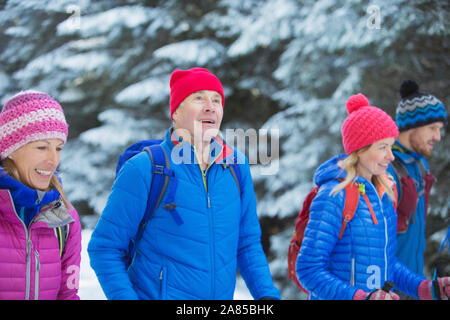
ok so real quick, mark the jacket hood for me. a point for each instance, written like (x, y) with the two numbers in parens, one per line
(330, 170)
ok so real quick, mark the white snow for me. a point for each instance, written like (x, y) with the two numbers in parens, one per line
(89, 286)
(154, 89)
(199, 52)
(104, 22)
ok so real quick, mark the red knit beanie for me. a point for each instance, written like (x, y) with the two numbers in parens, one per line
(365, 124)
(185, 82)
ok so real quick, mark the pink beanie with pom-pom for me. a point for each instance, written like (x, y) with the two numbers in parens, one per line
(365, 124)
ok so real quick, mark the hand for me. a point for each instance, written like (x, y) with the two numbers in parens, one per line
(378, 294)
(438, 289)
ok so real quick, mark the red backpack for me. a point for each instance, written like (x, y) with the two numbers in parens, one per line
(352, 192)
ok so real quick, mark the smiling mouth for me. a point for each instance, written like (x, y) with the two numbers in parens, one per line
(44, 172)
(208, 121)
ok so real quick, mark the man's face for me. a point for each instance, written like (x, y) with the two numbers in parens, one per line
(199, 116)
(422, 139)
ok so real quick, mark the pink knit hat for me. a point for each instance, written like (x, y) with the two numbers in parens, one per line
(185, 82)
(30, 116)
(365, 124)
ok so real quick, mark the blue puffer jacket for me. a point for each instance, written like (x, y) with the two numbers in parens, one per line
(411, 244)
(332, 268)
(196, 260)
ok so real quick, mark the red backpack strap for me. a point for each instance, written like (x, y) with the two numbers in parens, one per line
(351, 203)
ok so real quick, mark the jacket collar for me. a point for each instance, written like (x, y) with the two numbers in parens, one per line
(404, 153)
(24, 196)
(220, 152)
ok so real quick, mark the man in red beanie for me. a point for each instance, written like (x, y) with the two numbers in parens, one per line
(191, 248)
(420, 118)
(196, 109)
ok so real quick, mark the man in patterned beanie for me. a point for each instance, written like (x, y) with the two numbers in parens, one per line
(420, 118)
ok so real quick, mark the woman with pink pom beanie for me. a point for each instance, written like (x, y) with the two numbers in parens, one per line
(40, 232)
(359, 262)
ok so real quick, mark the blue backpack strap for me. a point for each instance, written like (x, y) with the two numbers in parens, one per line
(170, 204)
(445, 241)
(161, 174)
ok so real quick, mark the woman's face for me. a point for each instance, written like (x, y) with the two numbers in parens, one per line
(375, 160)
(36, 162)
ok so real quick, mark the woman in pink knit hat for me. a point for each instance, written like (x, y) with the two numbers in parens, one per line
(40, 241)
(354, 257)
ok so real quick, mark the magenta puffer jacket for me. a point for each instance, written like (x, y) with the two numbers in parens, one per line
(30, 262)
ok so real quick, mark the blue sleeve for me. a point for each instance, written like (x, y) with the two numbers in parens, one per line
(321, 235)
(117, 225)
(406, 281)
(252, 262)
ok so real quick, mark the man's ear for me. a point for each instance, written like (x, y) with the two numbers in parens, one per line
(176, 113)
(174, 116)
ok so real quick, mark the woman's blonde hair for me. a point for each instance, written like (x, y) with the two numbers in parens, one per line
(349, 165)
(10, 168)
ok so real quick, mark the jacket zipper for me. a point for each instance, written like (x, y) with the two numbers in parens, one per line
(211, 220)
(161, 284)
(385, 233)
(352, 276)
(28, 275)
(28, 256)
(36, 276)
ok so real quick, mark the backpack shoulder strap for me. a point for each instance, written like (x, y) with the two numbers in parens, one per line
(236, 172)
(351, 203)
(422, 169)
(400, 171)
(399, 168)
(160, 179)
(160, 170)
